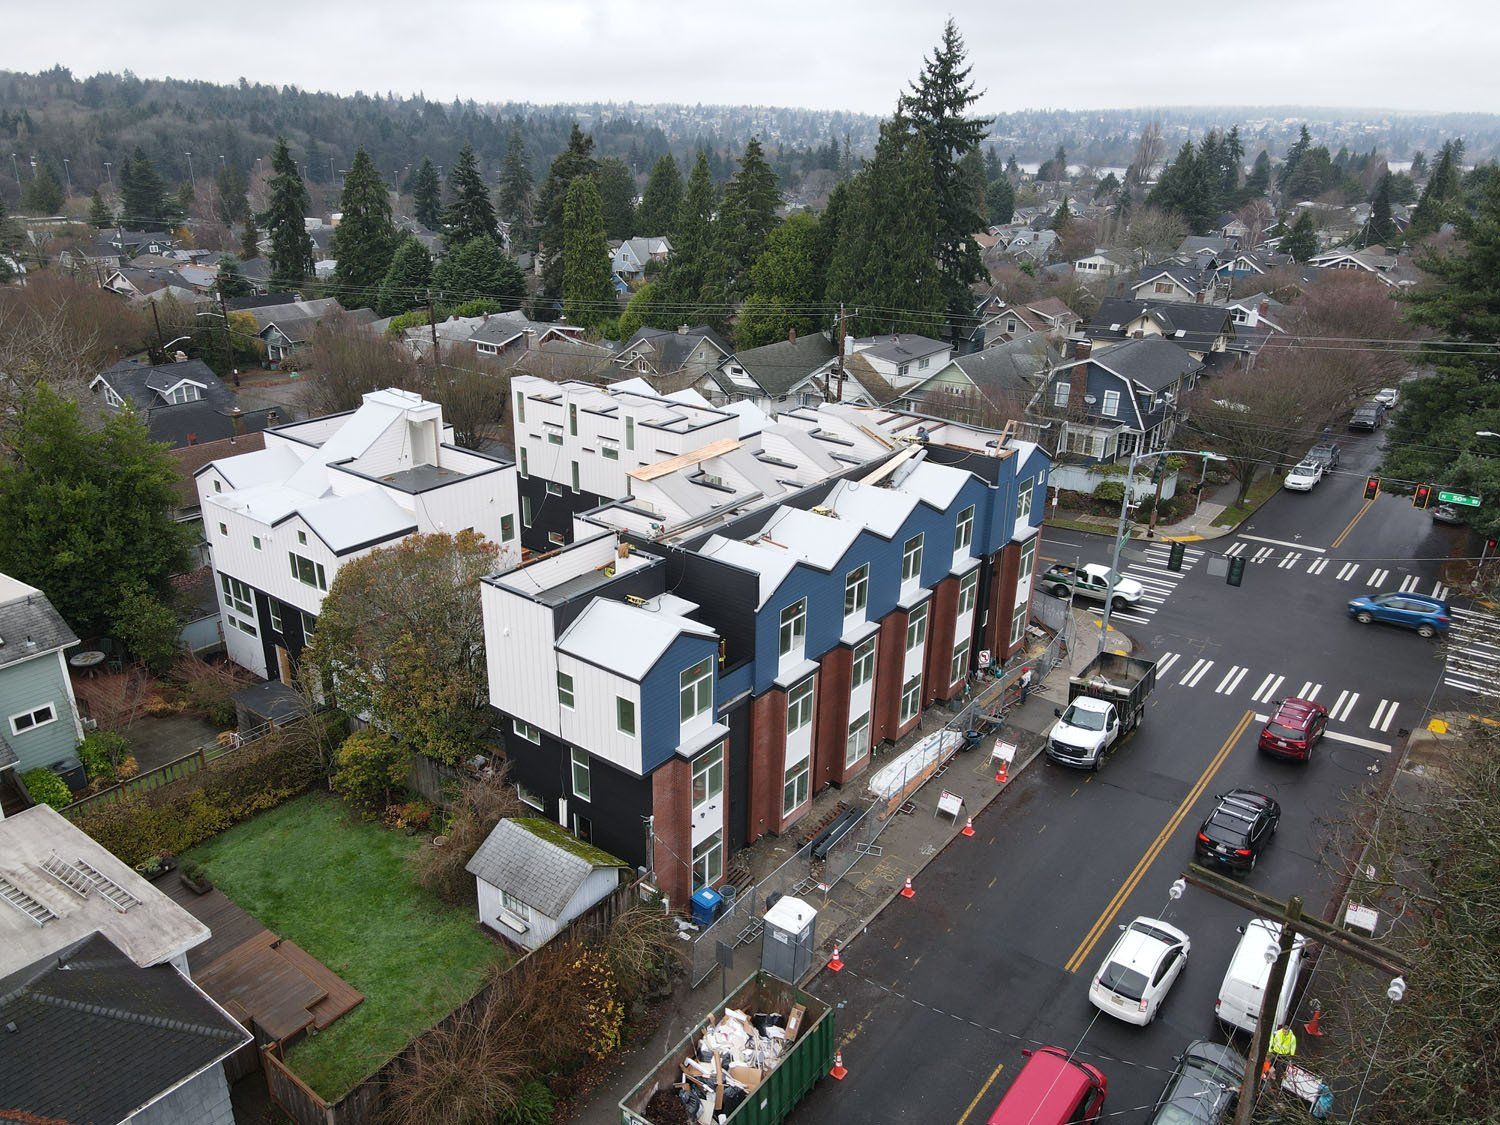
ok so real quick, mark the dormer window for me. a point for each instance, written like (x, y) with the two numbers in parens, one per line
(184, 392)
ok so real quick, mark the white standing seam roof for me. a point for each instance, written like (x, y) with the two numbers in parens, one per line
(819, 540)
(345, 522)
(626, 639)
(882, 510)
(771, 564)
(939, 485)
(247, 470)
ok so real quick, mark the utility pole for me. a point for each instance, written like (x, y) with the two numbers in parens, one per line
(160, 351)
(437, 358)
(839, 361)
(1159, 473)
(1293, 925)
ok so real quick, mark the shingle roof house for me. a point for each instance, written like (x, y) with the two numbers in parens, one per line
(534, 877)
(181, 403)
(38, 713)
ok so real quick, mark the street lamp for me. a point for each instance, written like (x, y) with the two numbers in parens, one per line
(110, 173)
(191, 177)
(1485, 433)
(1120, 532)
(68, 172)
(15, 167)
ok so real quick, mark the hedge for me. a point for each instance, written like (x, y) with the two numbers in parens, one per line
(256, 777)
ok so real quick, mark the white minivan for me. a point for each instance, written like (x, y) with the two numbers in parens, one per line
(1249, 970)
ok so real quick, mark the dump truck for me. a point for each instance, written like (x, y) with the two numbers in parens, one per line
(1106, 701)
(773, 1079)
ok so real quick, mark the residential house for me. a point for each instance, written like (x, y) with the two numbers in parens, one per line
(150, 284)
(102, 1022)
(787, 374)
(288, 328)
(564, 357)
(534, 877)
(508, 334)
(1174, 281)
(97, 256)
(1259, 309)
(37, 708)
(431, 239)
(1032, 245)
(1114, 399)
(1392, 269)
(1010, 322)
(728, 640)
(673, 360)
(902, 359)
(1105, 263)
(1232, 228)
(989, 387)
(628, 261)
(1200, 330)
(1246, 263)
(132, 243)
(1206, 250)
(329, 490)
(181, 403)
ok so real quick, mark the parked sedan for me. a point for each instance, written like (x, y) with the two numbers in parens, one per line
(1242, 823)
(1204, 1087)
(1294, 729)
(1304, 476)
(1428, 616)
(1447, 513)
(1140, 970)
(1388, 397)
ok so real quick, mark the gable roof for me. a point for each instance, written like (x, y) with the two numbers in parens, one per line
(1153, 363)
(501, 328)
(1010, 369)
(1190, 277)
(858, 368)
(670, 348)
(1188, 325)
(626, 639)
(538, 862)
(91, 1036)
(902, 347)
(781, 366)
(29, 626)
(210, 418)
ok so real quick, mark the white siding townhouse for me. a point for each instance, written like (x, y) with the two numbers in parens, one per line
(281, 521)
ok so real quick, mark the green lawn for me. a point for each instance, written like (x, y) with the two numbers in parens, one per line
(1261, 491)
(338, 886)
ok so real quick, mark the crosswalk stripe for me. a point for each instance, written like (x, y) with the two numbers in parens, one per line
(1348, 572)
(1231, 682)
(1290, 561)
(1119, 616)
(1262, 694)
(1471, 687)
(1263, 554)
(1196, 672)
(1338, 736)
(1440, 591)
(1339, 712)
(1318, 566)
(1309, 690)
(1164, 663)
(1378, 577)
(1409, 583)
(1237, 549)
(1383, 717)
(1161, 573)
(1152, 582)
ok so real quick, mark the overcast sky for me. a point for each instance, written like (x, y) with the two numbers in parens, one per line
(1430, 55)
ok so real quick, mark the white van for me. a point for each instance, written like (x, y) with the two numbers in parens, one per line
(1245, 983)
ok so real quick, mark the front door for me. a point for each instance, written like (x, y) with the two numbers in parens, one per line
(284, 667)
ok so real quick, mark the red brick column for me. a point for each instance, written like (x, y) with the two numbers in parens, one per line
(767, 762)
(941, 619)
(1009, 560)
(890, 658)
(671, 810)
(832, 706)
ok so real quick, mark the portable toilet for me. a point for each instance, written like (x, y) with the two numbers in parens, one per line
(788, 942)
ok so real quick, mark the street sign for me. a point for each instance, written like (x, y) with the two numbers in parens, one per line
(1458, 498)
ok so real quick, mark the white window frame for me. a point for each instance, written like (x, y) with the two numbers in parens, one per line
(695, 696)
(515, 908)
(963, 530)
(857, 590)
(1061, 391)
(255, 542)
(243, 626)
(573, 483)
(526, 511)
(862, 669)
(578, 762)
(273, 608)
(968, 593)
(799, 707)
(1023, 499)
(958, 669)
(1111, 403)
(792, 631)
(708, 860)
(857, 744)
(315, 577)
(521, 407)
(237, 595)
(620, 704)
(565, 695)
(553, 488)
(528, 798)
(911, 699)
(1018, 622)
(708, 773)
(525, 730)
(794, 786)
(609, 451)
(32, 720)
(507, 528)
(916, 629)
(911, 559)
(1028, 560)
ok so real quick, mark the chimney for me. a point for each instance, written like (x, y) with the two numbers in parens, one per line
(1202, 295)
(237, 420)
(791, 335)
(1080, 347)
(682, 329)
(192, 439)
(1264, 309)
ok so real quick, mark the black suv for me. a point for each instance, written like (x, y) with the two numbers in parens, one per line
(1203, 1088)
(1367, 417)
(1326, 455)
(1239, 828)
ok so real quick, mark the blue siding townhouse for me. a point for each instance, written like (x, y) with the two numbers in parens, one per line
(38, 715)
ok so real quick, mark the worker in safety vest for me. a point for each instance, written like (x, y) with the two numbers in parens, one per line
(1283, 1048)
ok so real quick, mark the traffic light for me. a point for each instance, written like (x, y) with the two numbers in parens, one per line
(1174, 560)
(1236, 570)
(1372, 488)
(1422, 497)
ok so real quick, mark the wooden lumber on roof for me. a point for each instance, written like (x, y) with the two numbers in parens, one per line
(684, 460)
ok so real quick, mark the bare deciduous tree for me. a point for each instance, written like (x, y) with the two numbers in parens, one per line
(1154, 233)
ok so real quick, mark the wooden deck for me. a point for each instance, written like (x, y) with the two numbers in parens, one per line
(257, 975)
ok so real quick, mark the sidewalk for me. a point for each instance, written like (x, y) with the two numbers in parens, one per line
(1200, 525)
(907, 845)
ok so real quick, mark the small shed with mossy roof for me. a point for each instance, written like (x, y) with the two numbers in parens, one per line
(534, 877)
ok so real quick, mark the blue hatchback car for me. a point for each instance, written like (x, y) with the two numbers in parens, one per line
(1428, 616)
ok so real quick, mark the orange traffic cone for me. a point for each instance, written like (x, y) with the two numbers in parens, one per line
(839, 1071)
(968, 829)
(835, 963)
(1314, 1026)
(1000, 777)
(908, 891)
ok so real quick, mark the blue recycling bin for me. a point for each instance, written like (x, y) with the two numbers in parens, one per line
(706, 903)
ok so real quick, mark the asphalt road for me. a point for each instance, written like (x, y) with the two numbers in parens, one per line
(996, 951)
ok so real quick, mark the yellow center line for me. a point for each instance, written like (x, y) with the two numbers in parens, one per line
(994, 1074)
(1359, 515)
(1133, 880)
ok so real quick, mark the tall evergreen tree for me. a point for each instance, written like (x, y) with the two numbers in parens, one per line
(1055, 168)
(784, 285)
(470, 213)
(1234, 160)
(661, 200)
(427, 196)
(694, 287)
(1062, 217)
(1294, 155)
(231, 283)
(1259, 180)
(100, 215)
(249, 238)
(365, 238)
(406, 279)
(889, 280)
(1188, 187)
(588, 288)
(937, 105)
(1001, 198)
(10, 242)
(43, 193)
(1382, 230)
(1443, 188)
(1301, 242)
(143, 196)
(479, 268)
(574, 161)
(748, 215)
(1418, 165)
(516, 188)
(616, 185)
(291, 248)
(231, 189)
(1012, 169)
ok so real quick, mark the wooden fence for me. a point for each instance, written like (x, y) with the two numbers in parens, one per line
(361, 1105)
(433, 779)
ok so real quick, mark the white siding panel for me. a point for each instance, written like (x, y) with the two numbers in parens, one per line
(591, 724)
(521, 661)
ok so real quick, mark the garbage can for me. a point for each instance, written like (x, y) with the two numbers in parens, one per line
(706, 903)
(727, 893)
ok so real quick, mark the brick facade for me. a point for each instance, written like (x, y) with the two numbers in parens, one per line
(941, 622)
(672, 825)
(890, 658)
(832, 718)
(767, 762)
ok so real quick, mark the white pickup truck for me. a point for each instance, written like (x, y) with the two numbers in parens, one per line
(1106, 701)
(1092, 581)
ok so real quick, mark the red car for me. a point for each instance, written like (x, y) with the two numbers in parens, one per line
(1292, 731)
